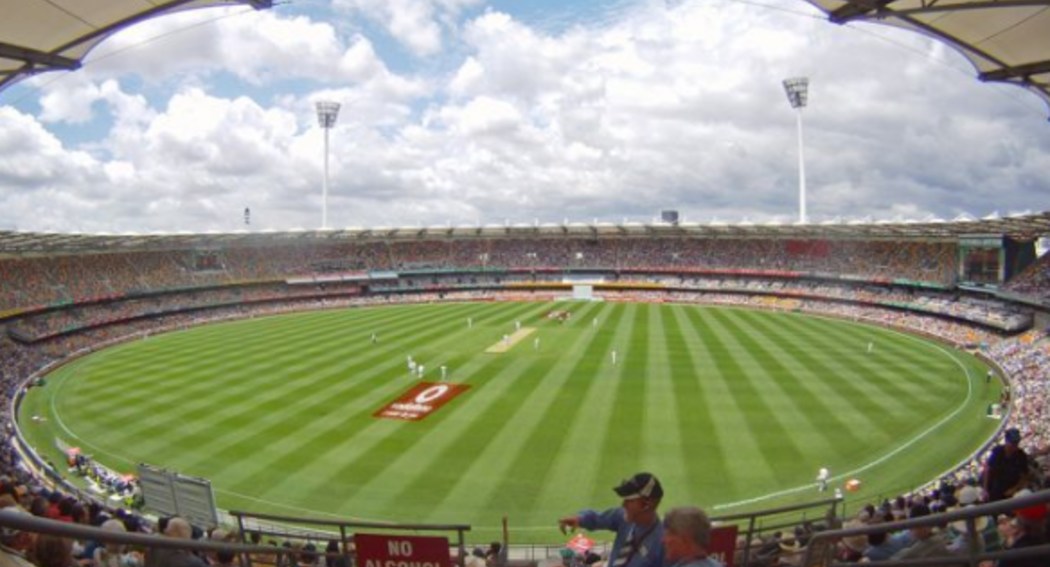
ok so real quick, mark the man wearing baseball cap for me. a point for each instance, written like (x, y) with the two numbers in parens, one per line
(1006, 470)
(636, 523)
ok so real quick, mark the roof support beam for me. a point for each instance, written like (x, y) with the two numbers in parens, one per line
(965, 6)
(1016, 72)
(37, 58)
(856, 9)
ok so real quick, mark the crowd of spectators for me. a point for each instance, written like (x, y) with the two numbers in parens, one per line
(946, 543)
(28, 283)
(115, 298)
(1034, 281)
(71, 317)
(1025, 359)
(75, 318)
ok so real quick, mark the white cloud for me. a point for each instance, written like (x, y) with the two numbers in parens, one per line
(257, 47)
(417, 24)
(73, 102)
(485, 116)
(655, 108)
(31, 158)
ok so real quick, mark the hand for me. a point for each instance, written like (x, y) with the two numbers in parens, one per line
(568, 524)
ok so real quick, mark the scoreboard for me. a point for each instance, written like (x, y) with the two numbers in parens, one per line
(994, 259)
(981, 259)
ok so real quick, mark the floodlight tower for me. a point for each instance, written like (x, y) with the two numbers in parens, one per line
(797, 93)
(327, 113)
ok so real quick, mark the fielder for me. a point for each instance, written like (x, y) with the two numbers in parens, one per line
(822, 479)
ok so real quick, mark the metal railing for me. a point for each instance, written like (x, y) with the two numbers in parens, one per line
(29, 523)
(752, 518)
(269, 524)
(820, 552)
(245, 553)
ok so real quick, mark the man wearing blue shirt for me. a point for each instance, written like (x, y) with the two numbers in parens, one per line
(637, 525)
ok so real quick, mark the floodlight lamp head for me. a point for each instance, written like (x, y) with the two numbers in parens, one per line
(797, 91)
(327, 112)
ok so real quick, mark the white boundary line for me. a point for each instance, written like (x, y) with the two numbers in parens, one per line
(887, 456)
(724, 506)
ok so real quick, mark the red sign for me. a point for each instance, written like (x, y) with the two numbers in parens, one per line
(420, 400)
(375, 550)
(723, 544)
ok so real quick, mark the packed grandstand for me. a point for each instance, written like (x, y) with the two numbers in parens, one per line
(60, 305)
(63, 296)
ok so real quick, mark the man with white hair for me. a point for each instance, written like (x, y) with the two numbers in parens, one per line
(177, 528)
(687, 538)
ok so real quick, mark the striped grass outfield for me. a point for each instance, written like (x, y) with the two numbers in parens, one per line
(733, 409)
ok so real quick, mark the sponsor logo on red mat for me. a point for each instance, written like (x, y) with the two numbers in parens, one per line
(421, 400)
(374, 550)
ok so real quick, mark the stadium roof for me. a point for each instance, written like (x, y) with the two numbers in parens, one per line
(37, 36)
(1026, 227)
(1006, 40)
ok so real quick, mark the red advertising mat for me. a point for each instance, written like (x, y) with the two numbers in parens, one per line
(420, 401)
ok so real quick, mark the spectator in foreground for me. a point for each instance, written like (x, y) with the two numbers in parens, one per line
(687, 538)
(926, 541)
(1026, 529)
(636, 523)
(115, 554)
(177, 528)
(1006, 470)
(53, 551)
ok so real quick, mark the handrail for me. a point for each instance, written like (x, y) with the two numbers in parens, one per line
(353, 524)
(751, 517)
(820, 550)
(30, 523)
(780, 510)
(27, 522)
(342, 525)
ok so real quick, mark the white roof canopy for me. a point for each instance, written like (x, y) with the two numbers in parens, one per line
(49, 35)
(1007, 41)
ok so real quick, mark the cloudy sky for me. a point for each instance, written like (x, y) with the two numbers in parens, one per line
(469, 112)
